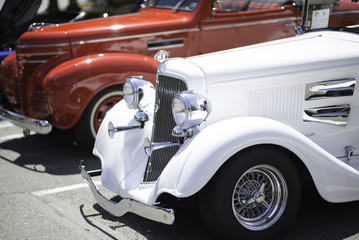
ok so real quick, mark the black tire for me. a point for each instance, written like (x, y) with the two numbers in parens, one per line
(86, 129)
(2, 97)
(255, 195)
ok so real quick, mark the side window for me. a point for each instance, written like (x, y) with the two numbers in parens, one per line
(223, 6)
(266, 4)
(230, 5)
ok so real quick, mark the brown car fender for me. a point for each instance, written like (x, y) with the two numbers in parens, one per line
(70, 86)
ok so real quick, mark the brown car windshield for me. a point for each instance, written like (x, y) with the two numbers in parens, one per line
(182, 5)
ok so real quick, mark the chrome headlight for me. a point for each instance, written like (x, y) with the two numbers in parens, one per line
(189, 109)
(133, 91)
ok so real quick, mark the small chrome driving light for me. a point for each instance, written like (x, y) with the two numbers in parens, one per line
(141, 116)
(133, 91)
(180, 133)
(189, 109)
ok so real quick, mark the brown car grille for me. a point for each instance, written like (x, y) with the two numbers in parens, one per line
(29, 62)
(166, 88)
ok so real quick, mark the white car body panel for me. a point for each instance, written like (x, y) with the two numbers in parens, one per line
(199, 159)
(268, 106)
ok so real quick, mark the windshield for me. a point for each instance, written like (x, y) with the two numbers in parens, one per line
(183, 5)
(330, 14)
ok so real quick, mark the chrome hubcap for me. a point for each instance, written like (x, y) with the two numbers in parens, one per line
(259, 197)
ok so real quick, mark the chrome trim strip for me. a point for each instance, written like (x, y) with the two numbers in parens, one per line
(135, 36)
(158, 33)
(334, 115)
(39, 126)
(179, 31)
(250, 23)
(32, 61)
(330, 89)
(43, 45)
(342, 13)
(154, 213)
(41, 54)
(166, 46)
(167, 43)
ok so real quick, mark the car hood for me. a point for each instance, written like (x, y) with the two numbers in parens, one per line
(146, 21)
(307, 52)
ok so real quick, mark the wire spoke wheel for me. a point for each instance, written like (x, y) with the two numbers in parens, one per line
(255, 195)
(260, 197)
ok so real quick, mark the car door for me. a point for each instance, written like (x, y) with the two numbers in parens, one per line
(235, 23)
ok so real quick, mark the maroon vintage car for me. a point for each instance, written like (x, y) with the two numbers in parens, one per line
(68, 75)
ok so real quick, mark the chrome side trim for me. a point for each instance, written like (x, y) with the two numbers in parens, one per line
(135, 36)
(29, 124)
(180, 31)
(154, 213)
(43, 45)
(157, 33)
(334, 115)
(29, 55)
(32, 61)
(345, 13)
(250, 23)
(41, 54)
(330, 89)
(167, 43)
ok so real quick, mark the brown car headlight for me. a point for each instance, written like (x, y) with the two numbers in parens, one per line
(189, 109)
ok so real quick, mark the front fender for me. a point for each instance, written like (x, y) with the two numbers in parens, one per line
(201, 157)
(123, 160)
(8, 72)
(71, 86)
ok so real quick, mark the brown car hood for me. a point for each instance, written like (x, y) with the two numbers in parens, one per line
(146, 21)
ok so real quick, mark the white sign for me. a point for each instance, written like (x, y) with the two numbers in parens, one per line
(320, 18)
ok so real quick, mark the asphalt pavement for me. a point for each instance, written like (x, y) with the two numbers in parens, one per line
(42, 196)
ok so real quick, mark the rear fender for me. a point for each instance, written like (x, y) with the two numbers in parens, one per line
(71, 86)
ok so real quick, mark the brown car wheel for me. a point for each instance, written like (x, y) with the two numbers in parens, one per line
(95, 112)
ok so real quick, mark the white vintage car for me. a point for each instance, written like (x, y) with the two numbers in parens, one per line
(239, 129)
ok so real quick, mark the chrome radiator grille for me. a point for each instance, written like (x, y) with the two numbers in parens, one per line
(166, 88)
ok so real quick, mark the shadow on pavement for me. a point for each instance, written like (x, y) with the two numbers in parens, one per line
(317, 219)
(56, 153)
(188, 224)
(321, 220)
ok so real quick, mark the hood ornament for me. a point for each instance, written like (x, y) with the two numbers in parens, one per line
(161, 55)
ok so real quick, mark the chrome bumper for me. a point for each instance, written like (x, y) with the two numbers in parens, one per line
(126, 205)
(28, 124)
